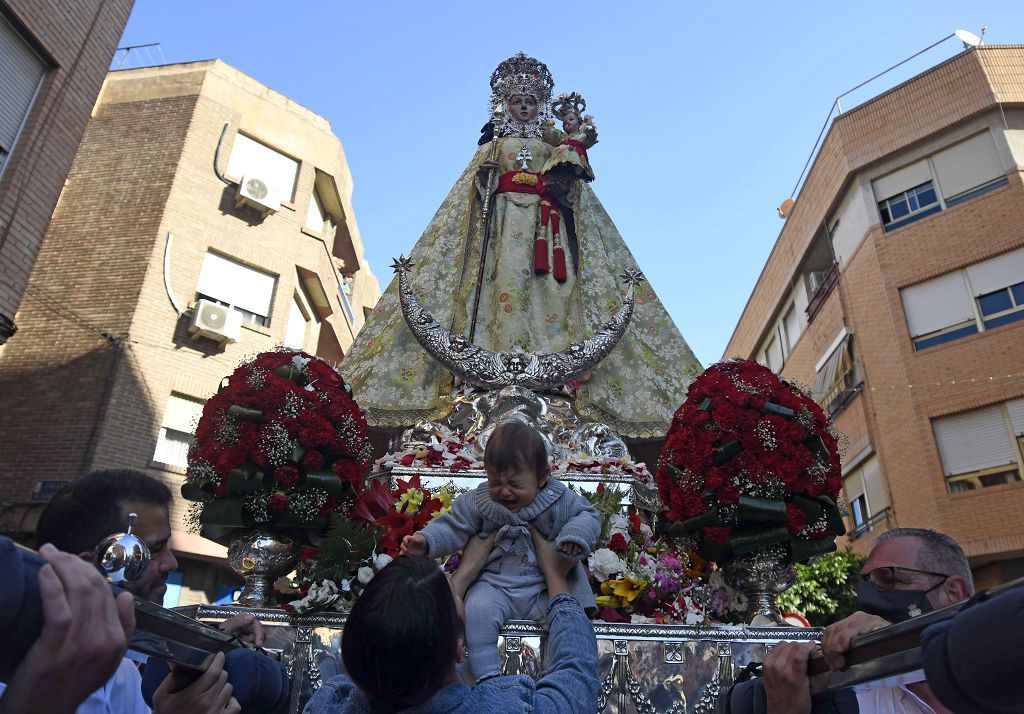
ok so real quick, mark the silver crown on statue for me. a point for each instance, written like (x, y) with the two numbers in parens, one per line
(123, 557)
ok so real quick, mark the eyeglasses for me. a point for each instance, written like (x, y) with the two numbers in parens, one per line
(884, 578)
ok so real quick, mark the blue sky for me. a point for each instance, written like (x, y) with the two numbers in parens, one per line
(706, 111)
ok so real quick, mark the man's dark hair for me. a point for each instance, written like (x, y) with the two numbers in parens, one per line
(89, 509)
(399, 640)
(515, 445)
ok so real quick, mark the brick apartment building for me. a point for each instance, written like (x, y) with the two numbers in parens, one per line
(896, 289)
(53, 57)
(206, 218)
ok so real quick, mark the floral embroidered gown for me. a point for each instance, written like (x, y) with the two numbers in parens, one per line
(635, 390)
(519, 308)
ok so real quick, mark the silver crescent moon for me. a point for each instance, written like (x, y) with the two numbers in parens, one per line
(494, 370)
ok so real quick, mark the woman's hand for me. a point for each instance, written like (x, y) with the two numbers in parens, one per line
(474, 557)
(414, 544)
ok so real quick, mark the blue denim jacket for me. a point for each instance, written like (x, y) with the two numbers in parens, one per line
(570, 684)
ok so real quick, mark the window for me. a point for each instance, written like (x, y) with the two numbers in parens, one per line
(859, 510)
(237, 286)
(835, 382)
(21, 74)
(180, 419)
(980, 297)
(946, 178)
(346, 305)
(866, 496)
(907, 206)
(981, 448)
(251, 158)
(298, 322)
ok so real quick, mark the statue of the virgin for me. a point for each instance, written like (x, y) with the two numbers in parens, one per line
(550, 275)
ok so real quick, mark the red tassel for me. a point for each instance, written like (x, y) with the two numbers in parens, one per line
(559, 270)
(540, 256)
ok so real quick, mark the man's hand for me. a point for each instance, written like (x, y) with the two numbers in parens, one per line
(837, 638)
(786, 683)
(209, 694)
(85, 635)
(414, 544)
(246, 628)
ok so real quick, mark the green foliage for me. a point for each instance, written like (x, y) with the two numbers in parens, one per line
(607, 501)
(342, 550)
(825, 589)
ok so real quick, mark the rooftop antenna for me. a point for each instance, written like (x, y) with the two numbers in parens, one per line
(127, 49)
(969, 40)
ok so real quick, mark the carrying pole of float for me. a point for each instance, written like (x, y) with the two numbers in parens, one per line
(485, 217)
(892, 655)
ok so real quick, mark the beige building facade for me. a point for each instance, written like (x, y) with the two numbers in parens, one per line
(53, 58)
(896, 289)
(206, 218)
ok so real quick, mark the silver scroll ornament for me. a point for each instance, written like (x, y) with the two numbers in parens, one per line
(494, 370)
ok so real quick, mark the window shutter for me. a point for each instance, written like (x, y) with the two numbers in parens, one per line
(973, 440)
(251, 158)
(967, 165)
(937, 303)
(774, 354)
(236, 284)
(21, 70)
(182, 414)
(997, 273)
(899, 181)
(878, 499)
(295, 333)
(794, 325)
(1016, 409)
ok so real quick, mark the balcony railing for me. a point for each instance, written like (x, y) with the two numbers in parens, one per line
(828, 282)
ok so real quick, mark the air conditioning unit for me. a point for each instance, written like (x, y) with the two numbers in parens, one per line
(216, 322)
(256, 192)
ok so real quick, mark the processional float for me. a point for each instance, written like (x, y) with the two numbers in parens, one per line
(509, 307)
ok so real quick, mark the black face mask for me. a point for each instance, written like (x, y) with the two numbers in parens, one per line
(892, 605)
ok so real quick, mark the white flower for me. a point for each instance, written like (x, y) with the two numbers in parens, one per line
(380, 560)
(738, 601)
(319, 597)
(346, 585)
(640, 620)
(365, 575)
(300, 361)
(604, 563)
(717, 580)
(618, 523)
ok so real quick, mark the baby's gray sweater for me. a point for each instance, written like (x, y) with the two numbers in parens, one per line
(558, 513)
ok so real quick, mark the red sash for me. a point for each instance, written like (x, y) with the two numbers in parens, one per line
(580, 149)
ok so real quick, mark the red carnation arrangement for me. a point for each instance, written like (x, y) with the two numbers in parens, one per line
(750, 461)
(282, 443)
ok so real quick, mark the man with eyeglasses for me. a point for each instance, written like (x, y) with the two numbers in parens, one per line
(910, 571)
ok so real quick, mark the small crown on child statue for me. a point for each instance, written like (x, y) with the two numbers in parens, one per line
(569, 103)
(520, 74)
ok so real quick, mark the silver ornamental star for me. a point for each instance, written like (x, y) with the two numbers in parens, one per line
(401, 264)
(632, 277)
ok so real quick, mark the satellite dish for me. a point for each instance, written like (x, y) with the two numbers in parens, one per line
(785, 208)
(968, 38)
